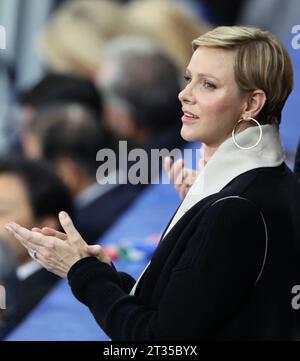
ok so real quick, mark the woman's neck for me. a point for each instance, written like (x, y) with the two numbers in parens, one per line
(207, 152)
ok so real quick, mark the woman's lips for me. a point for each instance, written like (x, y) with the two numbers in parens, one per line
(189, 118)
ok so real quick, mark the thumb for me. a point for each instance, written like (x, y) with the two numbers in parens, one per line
(94, 250)
(97, 251)
(68, 226)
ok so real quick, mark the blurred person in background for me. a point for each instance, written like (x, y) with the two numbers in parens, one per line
(73, 41)
(140, 86)
(32, 193)
(273, 15)
(168, 25)
(8, 279)
(53, 89)
(219, 12)
(69, 136)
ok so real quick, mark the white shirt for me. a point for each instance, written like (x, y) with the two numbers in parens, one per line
(27, 269)
(97, 190)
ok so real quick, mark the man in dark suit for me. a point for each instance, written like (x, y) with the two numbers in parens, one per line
(70, 137)
(53, 89)
(8, 278)
(31, 192)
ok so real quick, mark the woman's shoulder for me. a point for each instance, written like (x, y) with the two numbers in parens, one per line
(249, 198)
(269, 193)
(264, 183)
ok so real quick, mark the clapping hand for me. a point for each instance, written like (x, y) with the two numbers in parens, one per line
(56, 251)
(183, 178)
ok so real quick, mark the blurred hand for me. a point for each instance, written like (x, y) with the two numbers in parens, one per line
(183, 178)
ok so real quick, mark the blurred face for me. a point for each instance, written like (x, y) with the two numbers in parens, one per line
(14, 206)
(117, 119)
(117, 122)
(211, 101)
(29, 139)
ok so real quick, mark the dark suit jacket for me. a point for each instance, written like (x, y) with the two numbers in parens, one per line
(215, 275)
(93, 220)
(28, 293)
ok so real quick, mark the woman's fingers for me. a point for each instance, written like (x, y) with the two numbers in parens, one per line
(189, 177)
(68, 226)
(53, 232)
(47, 231)
(182, 178)
(183, 191)
(28, 243)
(94, 250)
(177, 172)
(97, 251)
(36, 229)
(174, 169)
(24, 234)
(55, 254)
(168, 163)
(12, 231)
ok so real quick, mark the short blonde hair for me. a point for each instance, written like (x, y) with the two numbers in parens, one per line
(261, 62)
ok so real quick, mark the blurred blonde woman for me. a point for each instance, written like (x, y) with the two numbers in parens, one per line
(73, 40)
(169, 25)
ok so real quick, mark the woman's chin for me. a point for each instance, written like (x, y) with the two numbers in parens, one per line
(188, 134)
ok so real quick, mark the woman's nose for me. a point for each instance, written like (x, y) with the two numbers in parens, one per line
(185, 96)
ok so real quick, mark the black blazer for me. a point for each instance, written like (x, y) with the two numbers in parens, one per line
(215, 275)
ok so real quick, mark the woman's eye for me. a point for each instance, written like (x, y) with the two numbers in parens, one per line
(208, 85)
(187, 78)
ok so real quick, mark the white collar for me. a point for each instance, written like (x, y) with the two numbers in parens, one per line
(90, 193)
(27, 269)
(229, 162)
(96, 190)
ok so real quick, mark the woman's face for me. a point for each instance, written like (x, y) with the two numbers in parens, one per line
(211, 101)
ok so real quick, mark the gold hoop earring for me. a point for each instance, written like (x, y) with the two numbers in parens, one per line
(233, 133)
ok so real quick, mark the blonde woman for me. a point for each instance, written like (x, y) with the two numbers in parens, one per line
(73, 40)
(166, 23)
(228, 260)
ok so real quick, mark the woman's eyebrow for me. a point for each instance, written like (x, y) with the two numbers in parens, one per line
(202, 75)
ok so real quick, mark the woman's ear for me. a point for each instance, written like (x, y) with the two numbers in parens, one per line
(255, 102)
